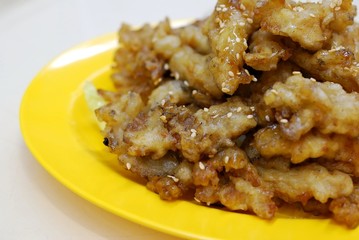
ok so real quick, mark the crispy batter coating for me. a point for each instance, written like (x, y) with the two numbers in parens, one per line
(347, 38)
(241, 195)
(336, 65)
(147, 135)
(117, 115)
(205, 132)
(253, 108)
(228, 28)
(302, 104)
(271, 142)
(309, 24)
(346, 209)
(192, 66)
(265, 51)
(264, 113)
(301, 183)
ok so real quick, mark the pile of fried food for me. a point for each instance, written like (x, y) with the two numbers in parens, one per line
(252, 108)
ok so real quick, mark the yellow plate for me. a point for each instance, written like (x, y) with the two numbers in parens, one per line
(62, 134)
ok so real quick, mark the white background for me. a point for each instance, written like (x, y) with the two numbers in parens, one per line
(33, 205)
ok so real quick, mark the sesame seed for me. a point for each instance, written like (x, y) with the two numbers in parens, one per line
(193, 130)
(201, 165)
(252, 108)
(274, 91)
(205, 109)
(255, 79)
(163, 118)
(237, 55)
(215, 116)
(245, 42)
(177, 76)
(221, 25)
(250, 116)
(193, 134)
(242, 7)
(157, 81)
(186, 83)
(225, 90)
(226, 159)
(166, 66)
(242, 24)
(170, 92)
(267, 118)
(230, 73)
(194, 92)
(197, 200)
(298, 9)
(238, 39)
(250, 20)
(208, 203)
(312, 79)
(163, 101)
(224, 9)
(173, 178)
(296, 73)
(283, 120)
(312, 15)
(210, 155)
(128, 166)
(346, 68)
(246, 71)
(239, 109)
(229, 114)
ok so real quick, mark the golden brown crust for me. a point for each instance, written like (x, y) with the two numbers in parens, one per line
(253, 108)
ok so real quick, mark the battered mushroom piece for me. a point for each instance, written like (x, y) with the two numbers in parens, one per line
(147, 135)
(301, 183)
(265, 51)
(309, 24)
(347, 37)
(173, 91)
(228, 29)
(158, 173)
(137, 66)
(166, 187)
(302, 104)
(271, 142)
(186, 64)
(241, 189)
(241, 195)
(192, 36)
(346, 209)
(265, 115)
(207, 131)
(336, 65)
(117, 115)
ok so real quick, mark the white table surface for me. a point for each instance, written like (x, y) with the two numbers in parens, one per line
(33, 205)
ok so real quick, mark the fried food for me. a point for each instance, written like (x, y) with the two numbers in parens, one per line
(271, 142)
(302, 104)
(252, 108)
